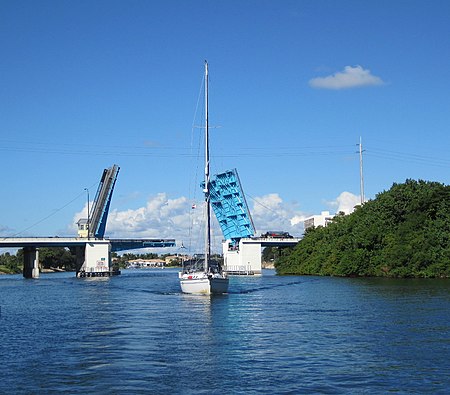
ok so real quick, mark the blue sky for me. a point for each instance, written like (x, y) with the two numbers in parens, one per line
(294, 84)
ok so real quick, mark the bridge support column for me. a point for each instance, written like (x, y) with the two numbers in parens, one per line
(97, 260)
(31, 262)
(244, 260)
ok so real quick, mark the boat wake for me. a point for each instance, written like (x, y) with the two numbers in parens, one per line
(268, 287)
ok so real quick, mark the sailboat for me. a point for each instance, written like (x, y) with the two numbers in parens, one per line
(206, 276)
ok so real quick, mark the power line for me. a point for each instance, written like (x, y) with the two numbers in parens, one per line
(169, 152)
(407, 157)
(10, 145)
(51, 214)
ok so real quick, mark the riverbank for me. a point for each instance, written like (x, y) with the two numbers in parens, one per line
(268, 265)
(4, 270)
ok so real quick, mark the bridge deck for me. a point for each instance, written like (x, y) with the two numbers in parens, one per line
(116, 244)
(273, 241)
(133, 244)
(41, 242)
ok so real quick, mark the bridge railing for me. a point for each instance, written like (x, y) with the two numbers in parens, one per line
(239, 270)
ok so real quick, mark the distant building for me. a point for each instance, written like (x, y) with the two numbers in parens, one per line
(143, 263)
(172, 260)
(318, 220)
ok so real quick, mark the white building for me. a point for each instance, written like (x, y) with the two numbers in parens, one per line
(318, 220)
(143, 263)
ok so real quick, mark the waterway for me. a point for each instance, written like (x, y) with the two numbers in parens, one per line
(137, 334)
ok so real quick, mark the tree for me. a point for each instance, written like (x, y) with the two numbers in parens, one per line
(57, 257)
(403, 232)
(10, 263)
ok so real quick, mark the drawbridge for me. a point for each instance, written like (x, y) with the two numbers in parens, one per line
(94, 225)
(230, 207)
(241, 249)
(93, 250)
(93, 228)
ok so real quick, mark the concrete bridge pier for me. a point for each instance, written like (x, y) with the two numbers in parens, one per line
(31, 262)
(97, 260)
(245, 259)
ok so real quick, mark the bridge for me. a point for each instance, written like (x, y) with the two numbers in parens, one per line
(241, 249)
(93, 250)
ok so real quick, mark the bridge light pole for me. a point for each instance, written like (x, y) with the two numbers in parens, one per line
(87, 224)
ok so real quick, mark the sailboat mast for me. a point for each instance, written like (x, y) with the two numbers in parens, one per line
(207, 186)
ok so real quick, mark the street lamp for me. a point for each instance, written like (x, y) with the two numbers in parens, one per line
(87, 224)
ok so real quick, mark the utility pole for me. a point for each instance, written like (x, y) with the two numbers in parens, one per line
(361, 175)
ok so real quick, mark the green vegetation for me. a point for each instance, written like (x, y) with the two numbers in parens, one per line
(49, 258)
(57, 258)
(65, 259)
(403, 232)
(273, 254)
(11, 264)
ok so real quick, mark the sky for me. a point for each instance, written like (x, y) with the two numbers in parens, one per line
(294, 85)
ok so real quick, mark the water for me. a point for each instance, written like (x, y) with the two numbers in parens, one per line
(136, 334)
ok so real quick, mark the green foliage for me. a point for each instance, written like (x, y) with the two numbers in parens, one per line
(49, 258)
(10, 263)
(57, 257)
(403, 232)
(272, 254)
(65, 259)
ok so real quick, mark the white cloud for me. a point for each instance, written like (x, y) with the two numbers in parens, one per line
(345, 202)
(297, 219)
(269, 212)
(157, 219)
(174, 218)
(161, 217)
(351, 77)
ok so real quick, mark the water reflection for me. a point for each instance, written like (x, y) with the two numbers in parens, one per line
(138, 333)
(198, 304)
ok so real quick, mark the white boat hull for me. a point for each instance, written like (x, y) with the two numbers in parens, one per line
(192, 284)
